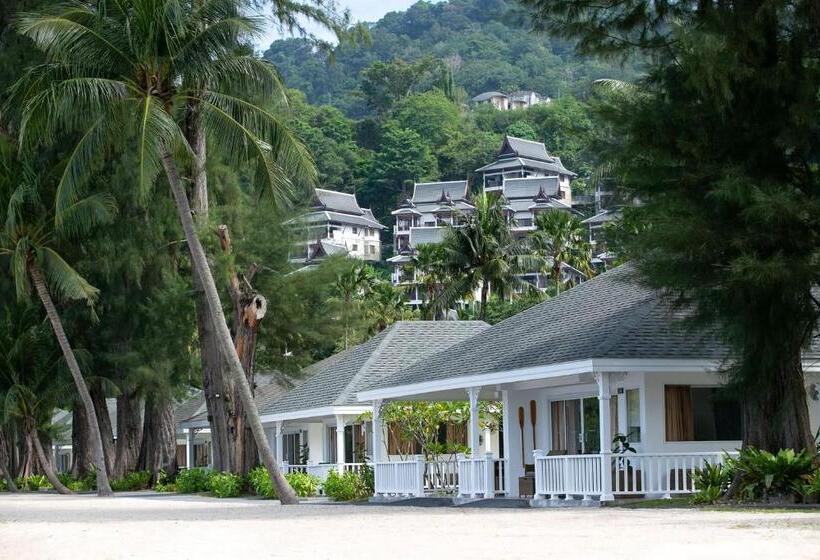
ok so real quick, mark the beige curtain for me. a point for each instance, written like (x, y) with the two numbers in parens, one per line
(613, 417)
(680, 422)
(559, 441)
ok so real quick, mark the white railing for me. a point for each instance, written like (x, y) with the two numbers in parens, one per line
(400, 478)
(481, 477)
(567, 475)
(441, 476)
(320, 471)
(658, 473)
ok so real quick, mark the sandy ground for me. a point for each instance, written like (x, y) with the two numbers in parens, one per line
(178, 527)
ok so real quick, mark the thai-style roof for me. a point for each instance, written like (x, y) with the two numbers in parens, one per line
(422, 235)
(611, 316)
(514, 163)
(335, 380)
(338, 202)
(431, 192)
(528, 187)
(603, 217)
(337, 218)
(518, 152)
(487, 95)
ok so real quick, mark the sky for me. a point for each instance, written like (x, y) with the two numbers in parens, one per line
(360, 10)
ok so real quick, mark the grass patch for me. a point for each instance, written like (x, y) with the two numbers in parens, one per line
(660, 503)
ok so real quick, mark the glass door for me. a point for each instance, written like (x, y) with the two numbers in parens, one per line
(592, 427)
(575, 426)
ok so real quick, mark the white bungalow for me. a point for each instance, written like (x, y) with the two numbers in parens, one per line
(604, 358)
(319, 426)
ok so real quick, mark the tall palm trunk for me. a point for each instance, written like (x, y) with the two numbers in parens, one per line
(103, 486)
(45, 464)
(104, 422)
(223, 335)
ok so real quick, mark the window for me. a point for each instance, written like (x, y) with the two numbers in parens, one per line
(372, 249)
(701, 414)
(292, 449)
(355, 230)
(633, 415)
(355, 247)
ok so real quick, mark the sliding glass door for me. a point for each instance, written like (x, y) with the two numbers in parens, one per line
(576, 426)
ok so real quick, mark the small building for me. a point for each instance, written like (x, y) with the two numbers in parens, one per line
(495, 98)
(609, 357)
(513, 101)
(336, 225)
(520, 158)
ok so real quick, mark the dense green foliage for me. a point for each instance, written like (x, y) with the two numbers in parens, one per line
(487, 43)
(192, 481)
(303, 484)
(137, 480)
(225, 484)
(348, 486)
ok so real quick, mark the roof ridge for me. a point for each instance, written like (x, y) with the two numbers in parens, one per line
(390, 331)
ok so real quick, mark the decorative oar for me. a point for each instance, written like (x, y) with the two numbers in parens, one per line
(532, 419)
(521, 425)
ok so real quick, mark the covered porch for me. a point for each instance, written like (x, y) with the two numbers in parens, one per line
(559, 429)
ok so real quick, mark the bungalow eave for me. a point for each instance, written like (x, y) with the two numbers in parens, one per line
(312, 414)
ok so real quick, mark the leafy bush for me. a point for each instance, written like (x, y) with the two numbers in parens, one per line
(3, 485)
(165, 487)
(764, 475)
(224, 485)
(137, 480)
(191, 481)
(346, 487)
(707, 495)
(34, 482)
(713, 475)
(809, 486)
(303, 484)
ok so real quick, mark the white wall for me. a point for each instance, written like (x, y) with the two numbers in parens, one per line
(363, 239)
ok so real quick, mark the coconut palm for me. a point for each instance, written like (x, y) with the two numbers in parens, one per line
(28, 240)
(119, 73)
(430, 271)
(352, 285)
(561, 239)
(384, 306)
(481, 254)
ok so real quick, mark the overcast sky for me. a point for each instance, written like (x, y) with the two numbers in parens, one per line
(360, 10)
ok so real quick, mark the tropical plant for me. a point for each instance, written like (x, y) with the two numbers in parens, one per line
(707, 495)
(121, 76)
(28, 239)
(809, 486)
(385, 304)
(430, 271)
(481, 254)
(346, 487)
(225, 484)
(561, 239)
(192, 481)
(352, 285)
(763, 475)
(137, 480)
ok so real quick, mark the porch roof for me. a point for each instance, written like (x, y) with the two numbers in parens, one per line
(334, 381)
(611, 317)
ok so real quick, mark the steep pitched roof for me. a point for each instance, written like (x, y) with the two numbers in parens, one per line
(487, 95)
(339, 202)
(336, 380)
(528, 187)
(524, 148)
(610, 316)
(431, 192)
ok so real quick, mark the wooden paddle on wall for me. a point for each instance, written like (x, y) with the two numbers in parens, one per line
(521, 425)
(532, 419)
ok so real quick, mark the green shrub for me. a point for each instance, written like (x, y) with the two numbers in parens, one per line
(346, 486)
(224, 485)
(303, 484)
(78, 486)
(191, 481)
(137, 480)
(165, 487)
(35, 482)
(764, 475)
(707, 495)
(3, 485)
(808, 487)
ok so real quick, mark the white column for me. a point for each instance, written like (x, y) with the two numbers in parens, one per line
(340, 442)
(506, 421)
(472, 395)
(622, 412)
(377, 432)
(189, 448)
(278, 434)
(605, 433)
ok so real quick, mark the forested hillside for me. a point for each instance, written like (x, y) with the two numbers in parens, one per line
(488, 44)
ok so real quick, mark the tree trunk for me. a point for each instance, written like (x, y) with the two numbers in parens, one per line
(249, 310)
(104, 422)
(777, 416)
(223, 336)
(484, 289)
(159, 445)
(29, 462)
(80, 446)
(45, 464)
(215, 387)
(5, 462)
(129, 433)
(103, 487)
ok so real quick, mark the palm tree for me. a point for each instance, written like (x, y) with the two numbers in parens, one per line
(121, 75)
(28, 240)
(561, 239)
(481, 253)
(352, 285)
(384, 305)
(431, 272)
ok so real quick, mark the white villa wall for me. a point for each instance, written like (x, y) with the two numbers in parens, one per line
(814, 405)
(363, 239)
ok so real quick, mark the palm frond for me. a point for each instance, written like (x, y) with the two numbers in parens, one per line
(157, 133)
(64, 282)
(82, 216)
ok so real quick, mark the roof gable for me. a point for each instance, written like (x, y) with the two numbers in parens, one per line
(338, 202)
(432, 192)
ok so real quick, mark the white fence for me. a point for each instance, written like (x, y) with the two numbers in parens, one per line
(568, 475)
(320, 471)
(441, 476)
(631, 474)
(481, 477)
(658, 473)
(400, 478)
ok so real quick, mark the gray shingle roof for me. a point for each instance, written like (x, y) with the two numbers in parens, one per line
(610, 316)
(603, 217)
(527, 148)
(339, 201)
(528, 187)
(431, 192)
(336, 380)
(422, 235)
(487, 95)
